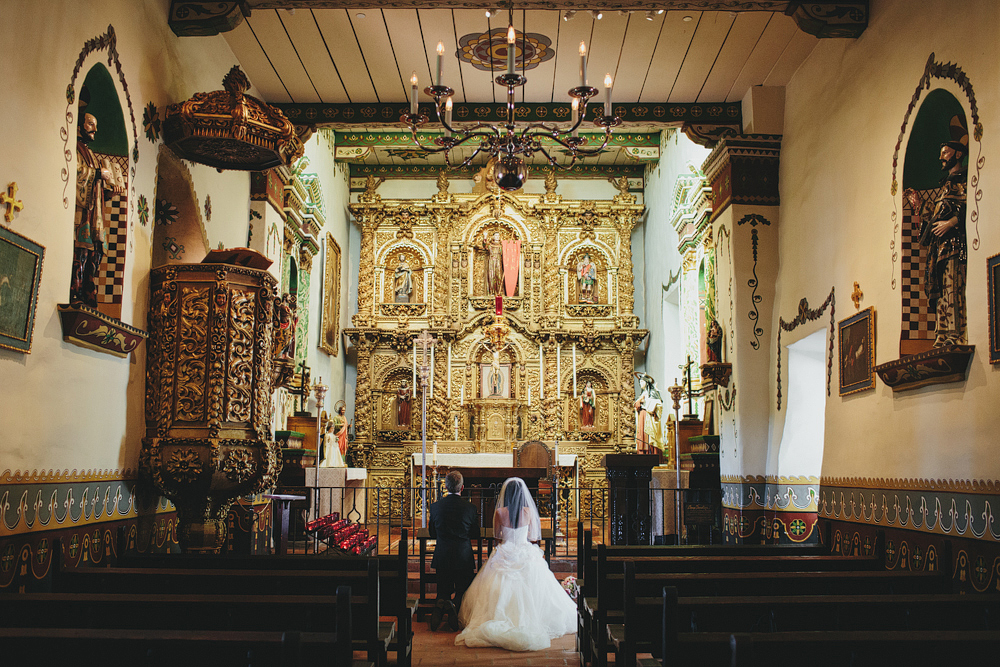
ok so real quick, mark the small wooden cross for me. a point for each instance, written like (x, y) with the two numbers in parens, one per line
(9, 200)
(856, 296)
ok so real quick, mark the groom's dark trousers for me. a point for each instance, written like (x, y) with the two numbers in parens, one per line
(453, 523)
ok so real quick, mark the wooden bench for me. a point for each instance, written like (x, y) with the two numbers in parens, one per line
(654, 625)
(361, 574)
(172, 629)
(393, 597)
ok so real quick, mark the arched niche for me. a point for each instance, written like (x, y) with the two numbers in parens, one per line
(103, 236)
(509, 361)
(603, 395)
(924, 181)
(482, 236)
(414, 259)
(589, 258)
(388, 415)
(179, 234)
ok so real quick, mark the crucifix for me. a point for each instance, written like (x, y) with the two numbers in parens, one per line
(424, 341)
(9, 199)
(689, 391)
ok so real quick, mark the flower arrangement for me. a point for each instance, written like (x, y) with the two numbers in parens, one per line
(570, 586)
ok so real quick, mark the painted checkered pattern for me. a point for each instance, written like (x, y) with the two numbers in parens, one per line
(111, 276)
(918, 317)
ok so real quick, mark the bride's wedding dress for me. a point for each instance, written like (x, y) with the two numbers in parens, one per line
(515, 602)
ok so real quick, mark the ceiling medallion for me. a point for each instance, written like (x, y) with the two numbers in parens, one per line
(487, 51)
(508, 144)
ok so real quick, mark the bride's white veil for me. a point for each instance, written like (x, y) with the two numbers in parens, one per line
(516, 499)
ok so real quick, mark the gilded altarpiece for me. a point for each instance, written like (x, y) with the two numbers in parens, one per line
(447, 242)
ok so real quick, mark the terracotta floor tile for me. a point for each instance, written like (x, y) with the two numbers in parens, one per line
(438, 649)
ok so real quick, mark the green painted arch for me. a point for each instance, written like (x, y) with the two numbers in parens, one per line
(921, 164)
(112, 139)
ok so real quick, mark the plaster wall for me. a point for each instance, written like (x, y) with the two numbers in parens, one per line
(844, 109)
(677, 156)
(65, 407)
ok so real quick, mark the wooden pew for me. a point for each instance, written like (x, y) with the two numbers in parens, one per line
(172, 629)
(656, 625)
(362, 574)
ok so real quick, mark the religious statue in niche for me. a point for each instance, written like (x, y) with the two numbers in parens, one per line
(942, 232)
(495, 380)
(588, 406)
(586, 279)
(648, 408)
(403, 406)
(501, 263)
(335, 438)
(94, 177)
(402, 281)
(713, 340)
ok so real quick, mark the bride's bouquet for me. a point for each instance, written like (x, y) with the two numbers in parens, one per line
(570, 586)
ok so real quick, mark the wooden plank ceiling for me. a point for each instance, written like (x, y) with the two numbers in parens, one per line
(366, 56)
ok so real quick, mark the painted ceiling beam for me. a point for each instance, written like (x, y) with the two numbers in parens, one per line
(347, 116)
(360, 171)
(833, 18)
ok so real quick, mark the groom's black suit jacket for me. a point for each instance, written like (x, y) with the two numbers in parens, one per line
(453, 523)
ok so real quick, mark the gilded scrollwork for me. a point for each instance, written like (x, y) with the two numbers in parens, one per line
(238, 465)
(184, 465)
(191, 370)
(240, 361)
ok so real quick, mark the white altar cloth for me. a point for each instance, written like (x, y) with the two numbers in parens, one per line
(481, 460)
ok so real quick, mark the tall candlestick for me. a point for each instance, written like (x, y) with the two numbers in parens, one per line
(435, 454)
(413, 94)
(541, 373)
(511, 38)
(431, 394)
(574, 370)
(529, 395)
(557, 453)
(583, 64)
(447, 117)
(449, 370)
(462, 399)
(576, 116)
(440, 64)
(607, 99)
(456, 427)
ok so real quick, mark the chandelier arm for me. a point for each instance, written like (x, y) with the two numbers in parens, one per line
(576, 150)
(553, 163)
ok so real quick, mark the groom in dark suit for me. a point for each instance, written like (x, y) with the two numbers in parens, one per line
(453, 523)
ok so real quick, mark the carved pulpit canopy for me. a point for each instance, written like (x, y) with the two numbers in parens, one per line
(229, 129)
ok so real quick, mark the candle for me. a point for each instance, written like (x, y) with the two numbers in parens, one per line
(607, 99)
(413, 94)
(511, 38)
(558, 370)
(557, 453)
(583, 64)
(440, 64)
(541, 373)
(414, 392)
(462, 399)
(447, 118)
(574, 370)
(435, 454)
(449, 370)
(529, 395)
(499, 305)
(576, 116)
(432, 373)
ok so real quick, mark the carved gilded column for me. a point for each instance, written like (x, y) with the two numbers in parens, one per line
(625, 222)
(438, 407)
(625, 344)
(364, 413)
(368, 220)
(550, 406)
(550, 277)
(442, 262)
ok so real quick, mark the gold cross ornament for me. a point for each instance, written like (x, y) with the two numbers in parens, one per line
(9, 200)
(856, 296)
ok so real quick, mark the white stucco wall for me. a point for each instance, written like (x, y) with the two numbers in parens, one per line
(844, 108)
(62, 406)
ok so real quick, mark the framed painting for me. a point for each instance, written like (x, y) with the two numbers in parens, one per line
(857, 352)
(494, 383)
(329, 340)
(20, 276)
(993, 296)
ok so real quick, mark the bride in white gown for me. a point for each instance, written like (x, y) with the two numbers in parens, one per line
(515, 602)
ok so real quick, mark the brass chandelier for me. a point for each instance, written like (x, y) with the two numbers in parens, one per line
(507, 144)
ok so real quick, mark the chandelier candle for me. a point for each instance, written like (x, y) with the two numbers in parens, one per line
(440, 64)
(607, 100)
(576, 116)
(413, 94)
(447, 117)
(511, 38)
(583, 64)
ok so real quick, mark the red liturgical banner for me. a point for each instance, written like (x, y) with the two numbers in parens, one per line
(511, 264)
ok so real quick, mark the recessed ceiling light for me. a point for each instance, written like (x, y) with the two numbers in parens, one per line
(359, 15)
(687, 19)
